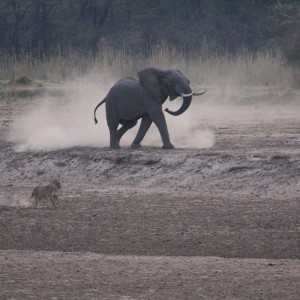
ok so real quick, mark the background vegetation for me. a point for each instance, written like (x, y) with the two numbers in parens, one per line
(254, 41)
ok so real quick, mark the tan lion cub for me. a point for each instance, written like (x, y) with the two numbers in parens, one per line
(49, 191)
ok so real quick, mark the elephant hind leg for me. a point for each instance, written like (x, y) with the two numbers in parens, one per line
(145, 125)
(126, 126)
(113, 126)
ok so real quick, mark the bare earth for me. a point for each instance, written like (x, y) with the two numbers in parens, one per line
(215, 223)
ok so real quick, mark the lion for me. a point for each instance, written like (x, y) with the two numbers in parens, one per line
(49, 191)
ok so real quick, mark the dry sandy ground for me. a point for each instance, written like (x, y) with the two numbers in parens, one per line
(214, 223)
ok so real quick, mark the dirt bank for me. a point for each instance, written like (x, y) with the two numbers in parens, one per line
(218, 222)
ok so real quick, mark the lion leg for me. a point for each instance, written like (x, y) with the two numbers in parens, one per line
(55, 197)
(52, 201)
(36, 201)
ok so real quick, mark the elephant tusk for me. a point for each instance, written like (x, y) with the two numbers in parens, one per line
(199, 94)
(193, 94)
(188, 95)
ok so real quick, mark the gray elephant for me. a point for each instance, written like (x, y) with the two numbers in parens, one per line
(130, 100)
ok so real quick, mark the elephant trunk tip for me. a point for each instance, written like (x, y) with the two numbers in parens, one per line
(185, 105)
(95, 120)
(173, 113)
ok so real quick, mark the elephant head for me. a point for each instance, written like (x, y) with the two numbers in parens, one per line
(161, 84)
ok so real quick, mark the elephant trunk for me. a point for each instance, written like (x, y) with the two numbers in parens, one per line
(185, 105)
(187, 99)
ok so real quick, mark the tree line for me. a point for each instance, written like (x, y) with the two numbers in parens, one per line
(44, 27)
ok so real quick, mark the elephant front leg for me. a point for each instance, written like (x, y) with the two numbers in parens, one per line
(145, 125)
(158, 117)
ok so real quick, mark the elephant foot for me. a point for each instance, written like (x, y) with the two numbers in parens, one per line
(168, 146)
(115, 147)
(135, 145)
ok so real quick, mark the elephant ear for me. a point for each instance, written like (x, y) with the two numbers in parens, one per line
(178, 71)
(150, 80)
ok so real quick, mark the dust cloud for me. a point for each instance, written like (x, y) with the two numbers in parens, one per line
(15, 200)
(62, 122)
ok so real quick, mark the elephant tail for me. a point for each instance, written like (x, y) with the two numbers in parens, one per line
(95, 119)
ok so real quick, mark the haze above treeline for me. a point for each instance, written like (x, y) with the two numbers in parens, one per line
(43, 27)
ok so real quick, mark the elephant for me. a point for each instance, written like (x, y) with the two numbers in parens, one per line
(130, 100)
